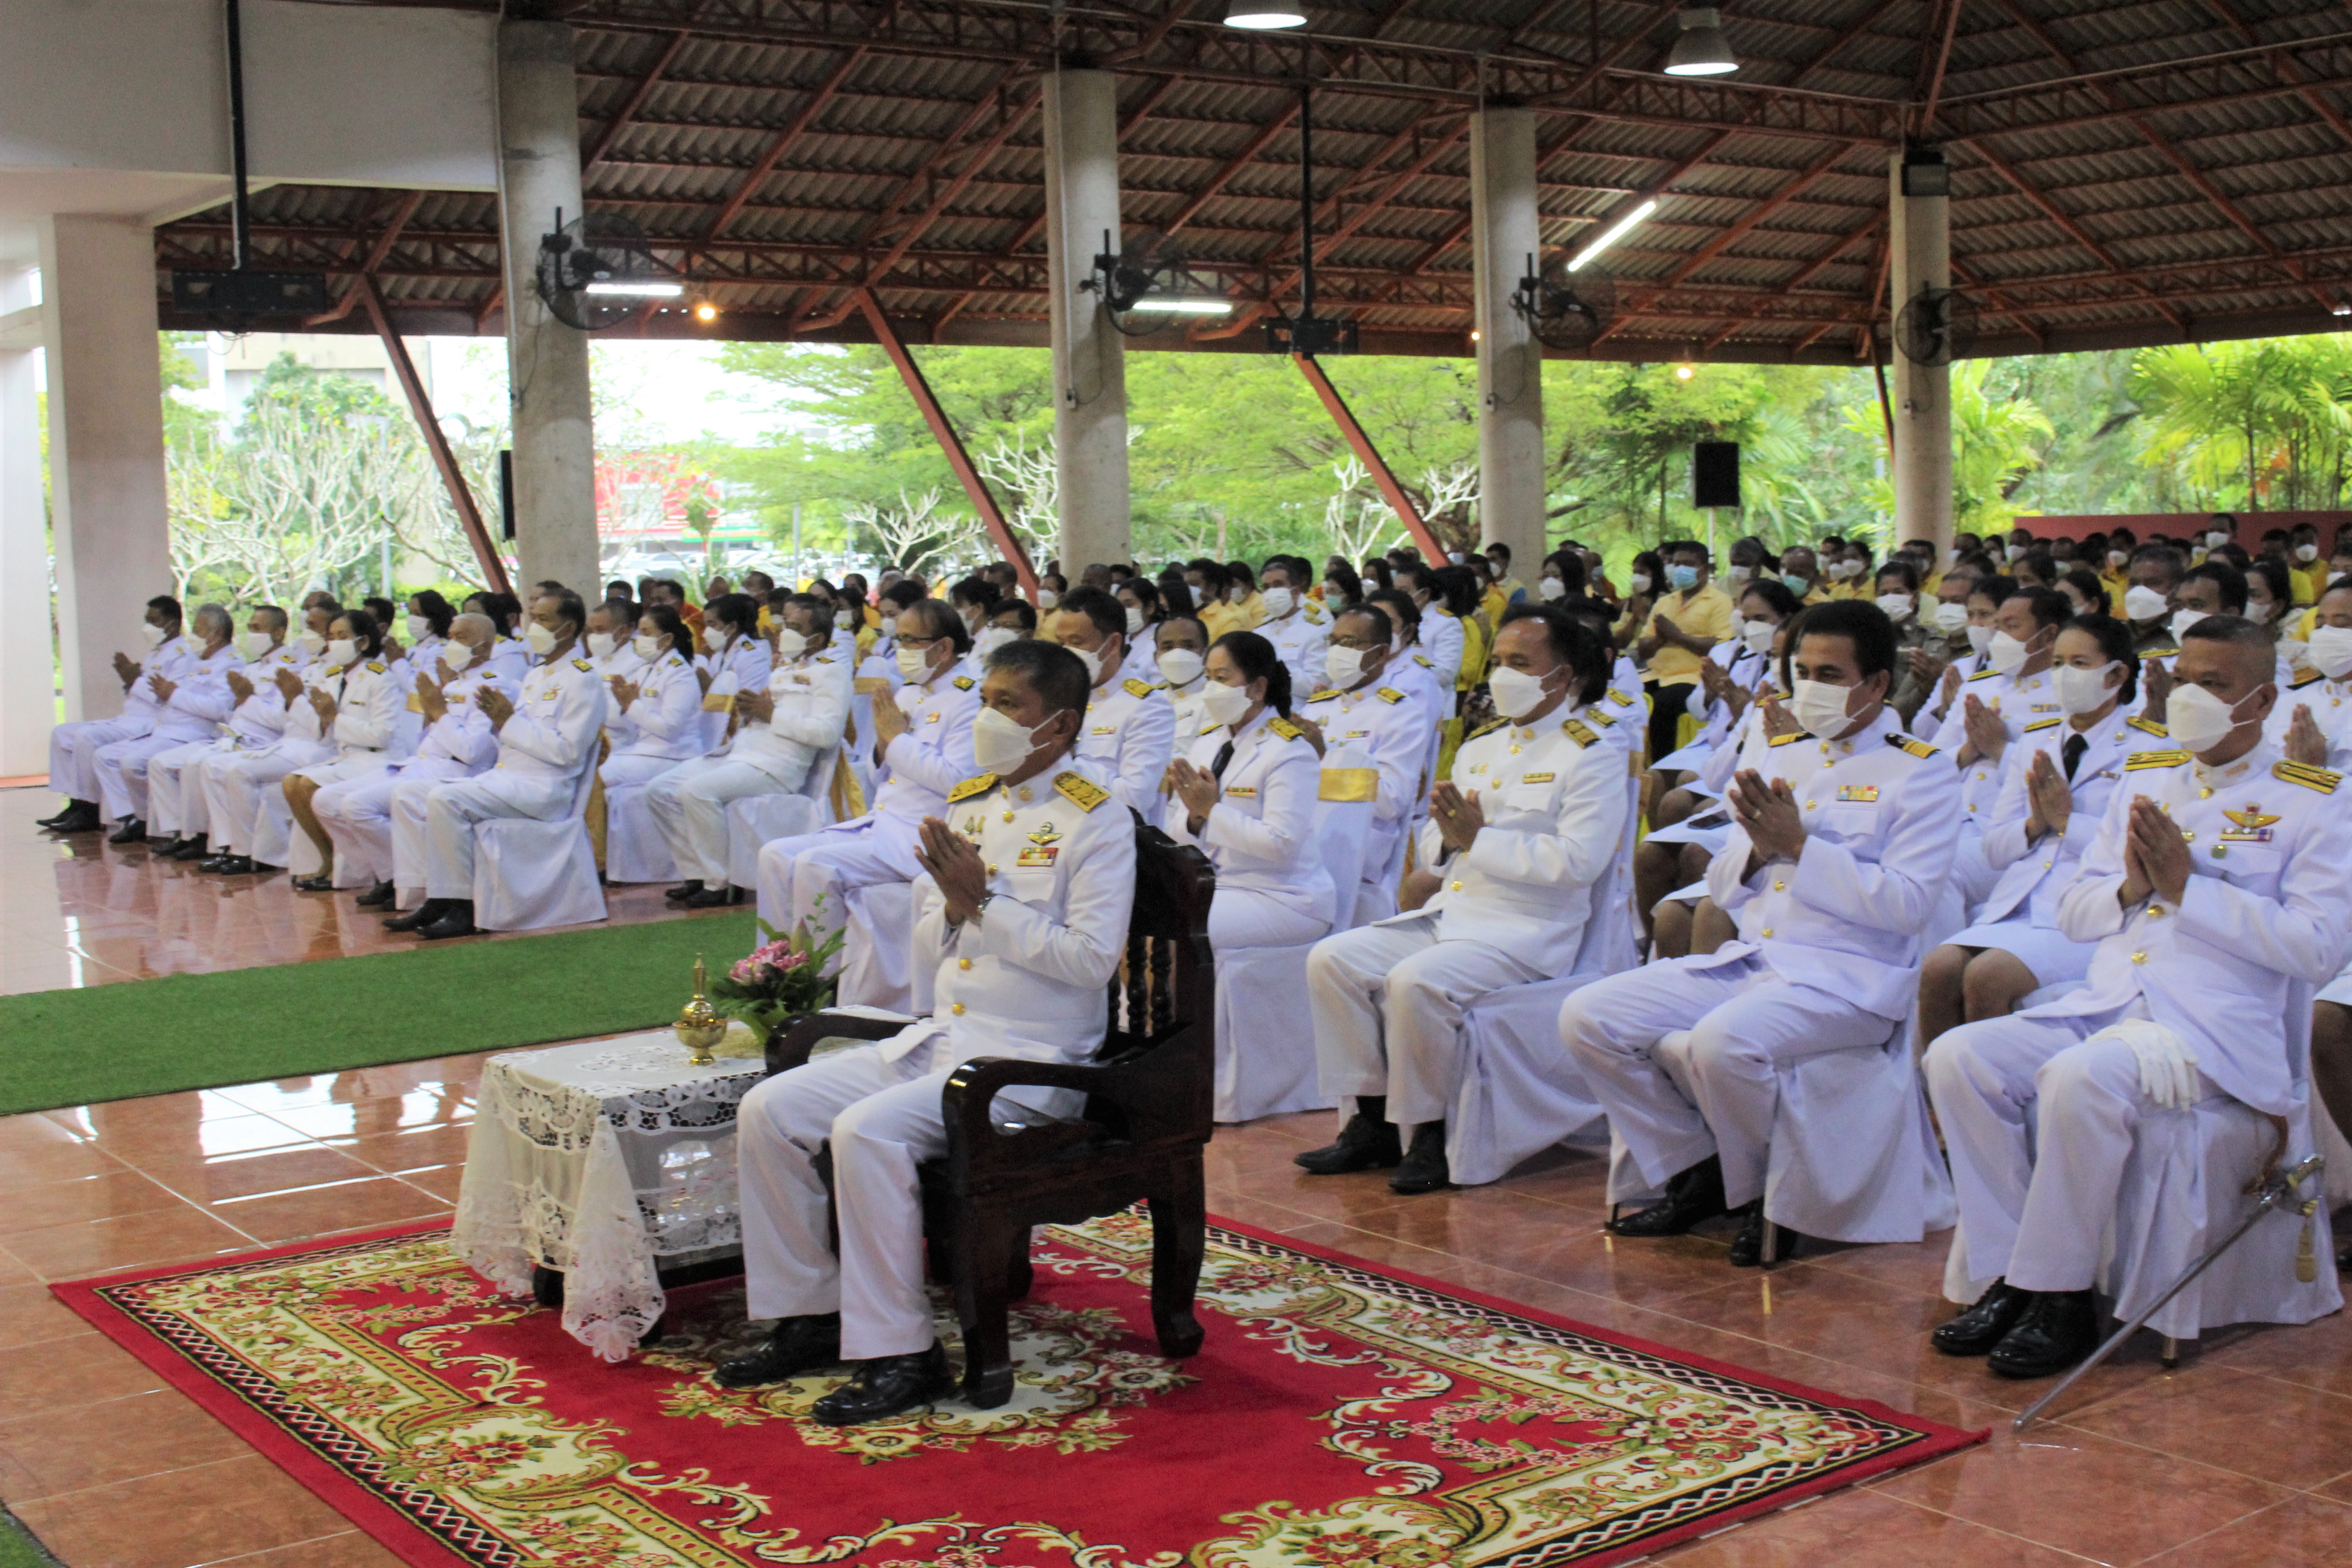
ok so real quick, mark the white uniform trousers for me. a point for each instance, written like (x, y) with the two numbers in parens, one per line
(636, 848)
(2035, 1208)
(453, 808)
(689, 804)
(176, 796)
(883, 1118)
(357, 815)
(410, 794)
(74, 748)
(810, 876)
(1245, 917)
(123, 774)
(1387, 1003)
(1717, 1095)
(237, 792)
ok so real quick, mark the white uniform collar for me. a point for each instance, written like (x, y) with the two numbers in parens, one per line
(2253, 764)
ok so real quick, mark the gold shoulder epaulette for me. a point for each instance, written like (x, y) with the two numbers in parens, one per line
(2324, 780)
(1327, 694)
(2139, 761)
(963, 683)
(1601, 719)
(2158, 652)
(1619, 698)
(1285, 728)
(1577, 732)
(1424, 660)
(978, 784)
(2041, 724)
(1079, 790)
(1911, 743)
(1984, 675)
(1314, 612)
(2142, 722)
(823, 659)
(1489, 728)
(583, 663)
(1139, 687)
(375, 666)
(1388, 694)
(2306, 681)
(1794, 735)
(675, 661)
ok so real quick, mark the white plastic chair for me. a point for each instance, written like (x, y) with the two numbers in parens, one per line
(757, 819)
(528, 874)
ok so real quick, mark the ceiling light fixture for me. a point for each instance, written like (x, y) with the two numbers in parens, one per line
(636, 288)
(1264, 15)
(706, 312)
(1617, 231)
(1702, 50)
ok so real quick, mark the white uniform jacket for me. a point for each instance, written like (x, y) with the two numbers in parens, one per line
(168, 658)
(1393, 727)
(1030, 978)
(1260, 835)
(2019, 702)
(200, 699)
(558, 719)
(2330, 702)
(1443, 640)
(749, 660)
(510, 656)
(1554, 797)
(1127, 740)
(370, 698)
(935, 754)
(1880, 810)
(261, 720)
(812, 698)
(1747, 671)
(2268, 902)
(2033, 875)
(1298, 641)
(463, 734)
(664, 718)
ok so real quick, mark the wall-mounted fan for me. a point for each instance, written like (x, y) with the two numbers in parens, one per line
(1564, 308)
(1936, 326)
(1146, 284)
(598, 270)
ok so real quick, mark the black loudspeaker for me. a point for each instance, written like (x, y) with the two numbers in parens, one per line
(506, 492)
(1714, 473)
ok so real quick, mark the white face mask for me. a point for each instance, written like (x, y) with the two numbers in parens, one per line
(602, 644)
(1822, 707)
(1134, 619)
(253, 647)
(2198, 719)
(1344, 667)
(1639, 582)
(1180, 667)
(2142, 603)
(914, 663)
(1236, 594)
(2081, 691)
(313, 643)
(1224, 704)
(2331, 651)
(2182, 620)
(1279, 602)
(1098, 664)
(1948, 617)
(456, 656)
(1552, 588)
(999, 745)
(2015, 552)
(2215, 538)
(889, 625)
(1047, 599)
(2306, 553)
(342, 652)
(2005, 653)
(1739, 573)
(1757, 636)
(152, 633)
(989, 640)
(648, 648)
(1980, 639)
(844, 618)
(1516, 693)
(2117, 557)
(790, 644)
(1897, 605)
(540, 639)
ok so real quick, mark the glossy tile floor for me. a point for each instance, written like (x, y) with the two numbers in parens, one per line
(2241, 1457)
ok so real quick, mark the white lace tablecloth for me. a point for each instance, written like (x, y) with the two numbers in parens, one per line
(601, 1159)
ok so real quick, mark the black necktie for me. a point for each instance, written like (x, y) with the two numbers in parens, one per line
(1225, 755)
(2070, 754)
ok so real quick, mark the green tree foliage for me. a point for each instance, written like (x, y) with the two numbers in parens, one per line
(2262, 423)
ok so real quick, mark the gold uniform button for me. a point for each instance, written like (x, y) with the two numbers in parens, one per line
(1808, 805)
(2221, 851)
(957, 1008)
(964, 964)
(1008, 816)
(2156, 911)
(992, 868)
(2204, 794)
(1458, 887)
(1778, 886)
(1514, 750)
(2140, 958)
(1768, 931)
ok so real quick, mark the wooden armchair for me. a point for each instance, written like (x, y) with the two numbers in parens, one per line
(1140, 1135)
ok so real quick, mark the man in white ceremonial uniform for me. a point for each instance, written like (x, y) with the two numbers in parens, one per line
(654, 727)
(1294, 624)
(364, 718)
(458, 742)
(1359, 708)
(1833, 866)
(553, 723)
(195, 698)
(75, 744)
(1530, 821)
(1024, 916)
(2217, 881)
(246, 836)
(1996, 704)
(922, 733)
(2313, 721)
(1130, 730)
(256, 718)
(781, 728)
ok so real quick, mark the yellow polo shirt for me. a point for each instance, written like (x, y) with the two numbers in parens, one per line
(1705, 612)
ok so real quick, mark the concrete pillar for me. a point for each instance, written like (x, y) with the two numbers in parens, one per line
(1919, 249)
(1089, 357)
(28, 662)
(547, 362)
(1502, 234)
(110, 523)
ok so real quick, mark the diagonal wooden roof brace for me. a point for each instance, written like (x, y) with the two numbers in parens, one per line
(1383, 478)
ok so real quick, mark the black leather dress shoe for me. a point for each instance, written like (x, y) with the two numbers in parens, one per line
(417, 919)
(194, 847)
(1363, 1144)
(457, 921)
(709, 898)
(231, 865)
(684, 890)
(793, 1346)
(321, 883)
(2059, 1329)
(379, 897)
(1983, 1325)
(132, 831)
(57, 817)
(886, 1387)
(1692, 1197)
(82, 818)
(1423, 1169)
(1748, 1246)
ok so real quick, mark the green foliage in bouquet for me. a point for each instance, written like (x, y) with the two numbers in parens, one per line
(782, 977)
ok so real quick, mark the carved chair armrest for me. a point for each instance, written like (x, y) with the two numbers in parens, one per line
(1134, 1088)
(790, 1048)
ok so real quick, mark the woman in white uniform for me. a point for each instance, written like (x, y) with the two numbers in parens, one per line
(359, 714)
(1248, 791)
(1180, 649)
(663, 707)
(428, 626)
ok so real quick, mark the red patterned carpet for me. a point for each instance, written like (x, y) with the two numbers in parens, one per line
(1340, 1416)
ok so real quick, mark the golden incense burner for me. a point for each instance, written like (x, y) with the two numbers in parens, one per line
(698, 1029)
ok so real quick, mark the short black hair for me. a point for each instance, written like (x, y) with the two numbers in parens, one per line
(272, 616)
(1258, 661)
(1574, 643)
(738, 610)
(2051, 608)
(1377, 619)
(822, 609)
(2227, 579)
(1498, 548)
(904, 592)
(1024, 614)
(568, 606)
(1107, 613)
(378, 606)
(2235, 630)
(944, 623)
(975, 590)
(1056, 674)
(2174, 564)
(1894, 567)
(1859, 622)
(166, 603)
(1773, 592)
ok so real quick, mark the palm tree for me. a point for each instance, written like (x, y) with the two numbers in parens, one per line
(2274, 413)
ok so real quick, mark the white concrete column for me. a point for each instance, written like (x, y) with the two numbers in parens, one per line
(547, 362)
(1503, 235)
(1920, 251)
(27, 660)
(1089, 357)
(110, 523)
